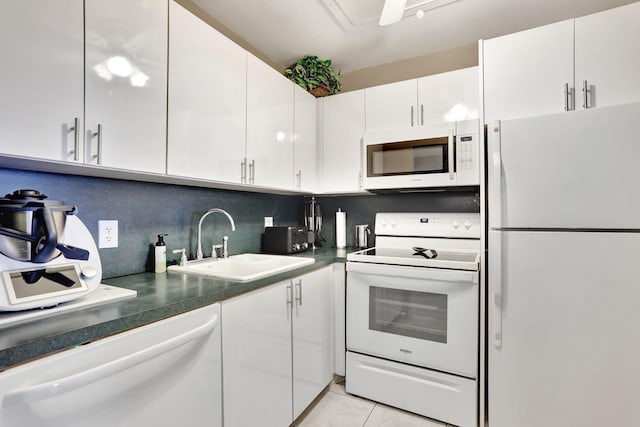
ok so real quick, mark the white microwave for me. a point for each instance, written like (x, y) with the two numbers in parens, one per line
(442, 155)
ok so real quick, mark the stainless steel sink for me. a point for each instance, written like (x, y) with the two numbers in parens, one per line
(243, 267)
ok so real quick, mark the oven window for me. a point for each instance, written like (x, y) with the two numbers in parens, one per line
(421, 315)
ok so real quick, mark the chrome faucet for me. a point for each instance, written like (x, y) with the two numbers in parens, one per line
(204, 215)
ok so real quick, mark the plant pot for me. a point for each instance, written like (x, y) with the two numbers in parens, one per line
(319, 91)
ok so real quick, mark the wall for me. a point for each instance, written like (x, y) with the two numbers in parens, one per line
(146, 209)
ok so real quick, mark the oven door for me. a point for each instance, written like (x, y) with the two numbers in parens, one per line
(422, 316)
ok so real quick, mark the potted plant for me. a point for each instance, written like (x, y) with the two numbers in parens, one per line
(315, 76)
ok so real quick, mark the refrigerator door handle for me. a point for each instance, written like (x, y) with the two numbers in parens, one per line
(495, 184)
(495, 283)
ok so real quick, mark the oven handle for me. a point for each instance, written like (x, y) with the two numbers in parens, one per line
(426, 273)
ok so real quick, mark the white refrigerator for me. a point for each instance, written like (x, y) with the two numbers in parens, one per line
(564, 269)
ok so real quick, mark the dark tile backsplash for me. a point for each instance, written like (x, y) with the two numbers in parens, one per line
(146, 209)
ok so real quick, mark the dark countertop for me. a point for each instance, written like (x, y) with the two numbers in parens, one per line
(159, 296)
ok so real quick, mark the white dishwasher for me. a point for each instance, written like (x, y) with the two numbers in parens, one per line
(167, 373)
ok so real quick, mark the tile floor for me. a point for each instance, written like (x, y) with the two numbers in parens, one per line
(335, 408)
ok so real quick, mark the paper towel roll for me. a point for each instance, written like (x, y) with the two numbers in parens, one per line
(341, 229)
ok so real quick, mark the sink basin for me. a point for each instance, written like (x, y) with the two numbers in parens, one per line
(243, 267)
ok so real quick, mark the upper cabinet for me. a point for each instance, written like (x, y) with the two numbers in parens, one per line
(85, 85)
(607, 58)
(438, 98)
(42, 93)
(269, 154)
(304, 140)
(207, 101)
(126, 84)
(341, 143)
(532, 72)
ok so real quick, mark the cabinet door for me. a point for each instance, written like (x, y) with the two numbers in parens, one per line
(607, 56)
(312, 337)
(342, 132)
(41, 90)
(449, 97)
(269, 126)
(392, 105)
(126, 84)
(304, 140)
(256, 355)
(207, 100)
(525, 73)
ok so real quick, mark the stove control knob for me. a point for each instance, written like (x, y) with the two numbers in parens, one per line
(456, 223)
(89, 273)
(394, 222)
(467, 224)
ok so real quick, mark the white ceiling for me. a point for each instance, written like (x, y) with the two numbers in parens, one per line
(285, 30)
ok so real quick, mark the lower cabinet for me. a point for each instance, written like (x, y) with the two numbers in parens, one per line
(277, 350)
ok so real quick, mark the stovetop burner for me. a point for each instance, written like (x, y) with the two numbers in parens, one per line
(457, 260)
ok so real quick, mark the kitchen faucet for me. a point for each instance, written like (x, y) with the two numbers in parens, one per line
(204, 215)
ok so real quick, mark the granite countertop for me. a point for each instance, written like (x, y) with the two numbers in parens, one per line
(159, 296)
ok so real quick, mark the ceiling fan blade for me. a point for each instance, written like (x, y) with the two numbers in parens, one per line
(392, 12)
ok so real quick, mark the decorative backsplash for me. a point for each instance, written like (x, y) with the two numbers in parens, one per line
(146, 209)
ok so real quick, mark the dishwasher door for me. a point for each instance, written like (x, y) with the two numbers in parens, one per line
(164, 374)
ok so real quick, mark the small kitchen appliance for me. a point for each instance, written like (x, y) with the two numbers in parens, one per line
(47, 255)
(285, 240)
(362, 235)
(412, 315)
(438, 155)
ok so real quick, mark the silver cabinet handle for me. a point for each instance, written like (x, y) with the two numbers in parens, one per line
(299, 180)
(290, 294)
(298, 286)
(252, 172)
(412, 116)
(569, 100)
(422, 114)
(98, 135)
(586, 91)
(243, 171)
(76, 139)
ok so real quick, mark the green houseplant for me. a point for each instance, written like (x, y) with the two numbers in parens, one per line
(315, 76)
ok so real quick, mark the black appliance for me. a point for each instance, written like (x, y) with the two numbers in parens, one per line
(285, 239)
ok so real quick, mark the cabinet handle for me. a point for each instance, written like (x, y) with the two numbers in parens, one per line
(422, 114)
(76, 139)
(569, 101)
(586, 91)
(72, 382)
(98, 135)
(299, 287)
(299, 180)
(412, 116)
(290, 294)
(252, 172)
(243, 171)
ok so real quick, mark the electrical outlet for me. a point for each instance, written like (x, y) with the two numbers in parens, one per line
(268, 221)
(108, 233)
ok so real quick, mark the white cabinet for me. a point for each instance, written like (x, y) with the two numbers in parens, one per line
(304, 140)
(277, 352)
(126, 84)
(41, 46)
(269, 126)
(391, 105)
(207, 100)
(85, 85)
(525, 74)
(444, 97)
(163, 374)
(607, 57)
(342, 131)
(531, 73)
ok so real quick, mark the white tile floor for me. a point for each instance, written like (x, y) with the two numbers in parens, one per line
(335, 408)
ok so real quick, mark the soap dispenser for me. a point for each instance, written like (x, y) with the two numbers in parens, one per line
(161, 254)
